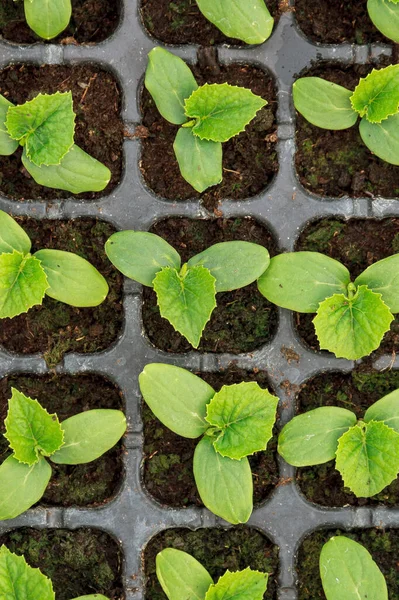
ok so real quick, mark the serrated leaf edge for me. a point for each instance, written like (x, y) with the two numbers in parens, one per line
(228, 572)
(364, 115)
(21, 557)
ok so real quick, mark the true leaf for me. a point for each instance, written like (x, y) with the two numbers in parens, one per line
(383, 278)
(30, 429)
(169, 81)
(12, 236)
(241, 585)
(224, 485)
(222, 110)
(249, 22)
(245, 414)
(22, 486)
(78, 172)
(386, 410)
(45, 126)
(140, 255)
(323, 103)
(19, 581)
(312, 438)
(233, 264)
(382, 138)
(348, 572)
(177, 397)
(48, 19)
(7, 144)
(88, 435)
(23, 283)
(301, 280)
(385, 16)
(181, 576)
(368, 458)
(186, 299)
(200, 161)
(352, 328)
(376, 97)
(72, 279)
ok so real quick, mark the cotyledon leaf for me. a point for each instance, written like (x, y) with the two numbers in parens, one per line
(181, 576)
(385, 16)
(386, 410)
(48, 18)
(7, 144)
(382, 138)
(200, 161)
(383, 278)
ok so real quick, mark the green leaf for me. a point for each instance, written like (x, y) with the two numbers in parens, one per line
(19, 581)
(169, 81)
(233, 264)
(78, 172)
(301, 280)
(7, 144)
(177, 397)
(352, 328)
(92, 597)
(224, 485)
(241, 585)
(22, 486)
(23, 283)
(45, 126)
(186, 299)
(72, 279)
(200, 161)
(348, 572)
(88, 435)
(250, 22)
(376, 97)
(368, 458)
(245, 415)
(385, 410)
(12, 236)
(181, 576)
(48, 18)
(31, 431)
(382, 138)
(312, 438)
(323, 103)
(222, 110)
(383, 278)
(385, 16)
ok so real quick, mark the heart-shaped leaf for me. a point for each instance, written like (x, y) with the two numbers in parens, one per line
(19, 581)
(376, 97)
(200, 161)
(21, 485)
(241, 585)
(181, 576)
(23, 283)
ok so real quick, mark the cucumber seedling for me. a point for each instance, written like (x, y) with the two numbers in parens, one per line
(47, 19)
(385, 16)
(233, 423)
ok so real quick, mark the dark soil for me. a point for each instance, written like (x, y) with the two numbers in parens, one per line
(335, 21)
(382, 544)
(181, 22)
(92, 21)
(357, 244)
(356, 391)
(249, 159)
(217, 550)
(168, 464)
(337, 163)
(98, 127)
(66, 395)
(83, 561)
(243, 320)
(55, 328)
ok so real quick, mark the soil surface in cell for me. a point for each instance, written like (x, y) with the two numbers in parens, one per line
(356, 391)
(357, 243)
(249, 159)
(181, 22)
(337, 163)
(55, 328)
(79, 562)
(243, 319)
(168, 466)
(92, 21)
(217, 550)
(98, 127)
(334, 21)
(383, 546)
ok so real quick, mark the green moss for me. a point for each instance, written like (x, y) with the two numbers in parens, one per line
(395, 243)
(319, 237)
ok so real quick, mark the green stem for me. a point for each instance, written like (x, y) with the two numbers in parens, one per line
(351, 290)
(190, 123)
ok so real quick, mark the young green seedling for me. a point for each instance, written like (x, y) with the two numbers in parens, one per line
(233, 424)
(208, 115)
(375, 100)
(366, 452)
(34, 435)
(45, 128)
(26, 278)
(348, 572)
(47, 19)
(182, 577)
(385, 16)
(20, 581)
(186, 294)
(351, 318)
